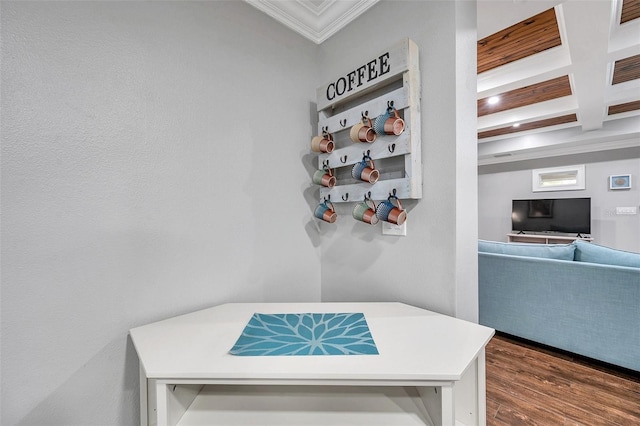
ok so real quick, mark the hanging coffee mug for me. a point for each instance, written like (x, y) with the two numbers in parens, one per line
(326, 212)
(365, 170)
(324, 177)
(323, 143)
(363, 131)
(365, 211)
(391, 211)
(389, 123)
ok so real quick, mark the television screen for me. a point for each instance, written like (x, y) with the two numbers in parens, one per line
(567, 215)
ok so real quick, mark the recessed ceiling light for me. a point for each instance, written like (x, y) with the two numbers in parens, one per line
(516, 124)
(493, 100)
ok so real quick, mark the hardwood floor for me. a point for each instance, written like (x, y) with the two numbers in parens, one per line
(532, 385)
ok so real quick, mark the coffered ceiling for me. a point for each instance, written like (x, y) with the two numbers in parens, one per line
(554, 77)
(565, 78)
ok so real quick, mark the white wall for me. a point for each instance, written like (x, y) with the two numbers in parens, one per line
(154, 161)
(496, 190)
(435, 265)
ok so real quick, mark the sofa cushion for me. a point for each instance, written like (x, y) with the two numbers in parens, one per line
(546, 251)
(593, 253)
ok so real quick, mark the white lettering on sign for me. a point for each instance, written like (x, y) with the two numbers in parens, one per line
(356, 78)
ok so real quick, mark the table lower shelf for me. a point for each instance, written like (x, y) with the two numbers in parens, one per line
(307, 406)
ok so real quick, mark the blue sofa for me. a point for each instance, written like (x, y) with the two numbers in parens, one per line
(579, 297)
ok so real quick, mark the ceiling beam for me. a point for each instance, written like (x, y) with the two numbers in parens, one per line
(613, 135)
(587, 29)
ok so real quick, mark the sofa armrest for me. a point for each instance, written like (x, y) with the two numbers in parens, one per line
(589, 309)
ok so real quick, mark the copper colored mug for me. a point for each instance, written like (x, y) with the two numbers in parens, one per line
(389, 123)
(324, 177)
(365, 211)
(363, 131)
(391, 211)
(323, 143)
(326, 212)
(365, 170)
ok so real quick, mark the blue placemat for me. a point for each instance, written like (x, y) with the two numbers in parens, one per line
(305, 334)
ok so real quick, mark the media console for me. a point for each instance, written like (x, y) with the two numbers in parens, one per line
(544, 238)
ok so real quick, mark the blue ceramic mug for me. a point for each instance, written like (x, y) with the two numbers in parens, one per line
(391, 211)
(365, 170)
(389, 123)
(325, 211)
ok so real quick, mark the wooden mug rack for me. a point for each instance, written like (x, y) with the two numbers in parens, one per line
(392, 79)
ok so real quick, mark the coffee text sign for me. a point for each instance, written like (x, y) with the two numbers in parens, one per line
(385, 65)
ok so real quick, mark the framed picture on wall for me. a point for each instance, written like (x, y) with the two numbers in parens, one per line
(620, 182)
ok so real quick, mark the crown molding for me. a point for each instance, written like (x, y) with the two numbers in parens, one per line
(316, 21)
(317, 9)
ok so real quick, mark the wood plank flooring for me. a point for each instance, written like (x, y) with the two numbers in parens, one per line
(532, 385)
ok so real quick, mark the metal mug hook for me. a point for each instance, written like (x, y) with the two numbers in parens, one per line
(391, 147)
(343, 123)
(343, 160)
(345, 197)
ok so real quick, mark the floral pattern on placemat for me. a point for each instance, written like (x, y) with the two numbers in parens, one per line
(306, 334)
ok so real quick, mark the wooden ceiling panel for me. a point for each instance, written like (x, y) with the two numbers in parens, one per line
(523, 39)
(584, 30)
(630, 10)
(528, 95)
(626, 107)
(626, 69)
(554, 121)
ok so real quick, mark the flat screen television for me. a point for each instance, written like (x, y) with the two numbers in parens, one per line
(565, 215)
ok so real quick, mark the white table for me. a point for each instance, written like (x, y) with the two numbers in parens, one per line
(430, 370)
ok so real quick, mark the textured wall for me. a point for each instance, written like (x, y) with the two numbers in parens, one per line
(154, 156)
(155, 160)
(435, 265)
